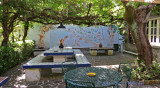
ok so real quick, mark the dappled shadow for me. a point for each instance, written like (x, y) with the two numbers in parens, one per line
(17, 74)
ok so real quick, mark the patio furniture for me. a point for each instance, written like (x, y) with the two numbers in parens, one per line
(68, 66)
(94, 50)
(78, 84)
(125, 69)
(103, 78)
(38, 51)
(34, 66)
(59, 55)
(3, 80)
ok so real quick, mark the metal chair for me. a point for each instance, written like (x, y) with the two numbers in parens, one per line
(125, 69)
(67, 66)
(79, 84)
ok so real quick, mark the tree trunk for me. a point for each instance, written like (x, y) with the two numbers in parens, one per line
(26, 27)
(144, 48)
(137, 20)
(5, 41)
(7, 20)
(5, 34)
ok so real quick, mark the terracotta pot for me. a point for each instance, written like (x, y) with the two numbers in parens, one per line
(100, 45)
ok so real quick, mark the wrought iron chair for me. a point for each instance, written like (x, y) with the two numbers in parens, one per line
(125, 69)
(67, 66)
(79, 84)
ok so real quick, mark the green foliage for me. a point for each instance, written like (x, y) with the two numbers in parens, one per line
(156, 10)
(26, 50)
(80, 12)
(11, 56)
(58, 10)
(129, 14)
(121, 28)
(142, 72)
(8, 58)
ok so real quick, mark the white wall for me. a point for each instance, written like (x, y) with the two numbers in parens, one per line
(76, 36)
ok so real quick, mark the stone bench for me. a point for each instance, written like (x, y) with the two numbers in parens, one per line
(82, 61)
(3, 80)
(94, 50)
(34, 67)
(38, 51)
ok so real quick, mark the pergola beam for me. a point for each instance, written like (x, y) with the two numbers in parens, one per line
(145, 1)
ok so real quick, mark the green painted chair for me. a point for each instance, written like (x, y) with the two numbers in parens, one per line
(79, 84)
(125, 69)
(67, 66)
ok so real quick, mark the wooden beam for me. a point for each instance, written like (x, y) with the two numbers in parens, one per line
(145, 1)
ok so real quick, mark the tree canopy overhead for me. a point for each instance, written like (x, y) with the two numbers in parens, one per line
(87, 12)
(68, 11)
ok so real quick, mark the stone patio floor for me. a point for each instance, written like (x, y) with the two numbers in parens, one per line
(17, 74)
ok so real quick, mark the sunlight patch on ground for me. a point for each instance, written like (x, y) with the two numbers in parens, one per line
(19, 80)
(108, 66)
(20, 86)
(21, 77)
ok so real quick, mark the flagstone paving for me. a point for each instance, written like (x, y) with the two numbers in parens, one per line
(17, 74)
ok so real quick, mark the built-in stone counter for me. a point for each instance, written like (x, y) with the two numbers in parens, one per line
(34, 67)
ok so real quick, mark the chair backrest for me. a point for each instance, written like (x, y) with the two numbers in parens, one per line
(79, 84)
(125, 69)
(67, 66)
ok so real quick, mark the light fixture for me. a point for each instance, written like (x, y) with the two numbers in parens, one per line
(61, 26)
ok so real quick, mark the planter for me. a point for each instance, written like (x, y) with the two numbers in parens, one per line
(100, 45)
(150, 82)
(147, 82)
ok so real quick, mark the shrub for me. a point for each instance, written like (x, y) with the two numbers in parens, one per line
(8, 58)
(11, 56)
(26, 50)
(143, 72)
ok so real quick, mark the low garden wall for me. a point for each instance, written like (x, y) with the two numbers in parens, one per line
(132, 48)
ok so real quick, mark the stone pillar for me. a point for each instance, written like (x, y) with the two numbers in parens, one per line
(59, 58)
(93, 52)
(109, 52)
(56, 70)
(32, 74)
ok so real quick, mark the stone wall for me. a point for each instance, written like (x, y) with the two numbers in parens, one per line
(132, 48)
(156, 53)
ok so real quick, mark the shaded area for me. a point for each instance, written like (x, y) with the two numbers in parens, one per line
(17, 74)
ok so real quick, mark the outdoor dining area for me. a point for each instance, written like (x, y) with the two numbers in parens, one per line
(76, 76)
(80, 44)
(96, 77)
(78, 72)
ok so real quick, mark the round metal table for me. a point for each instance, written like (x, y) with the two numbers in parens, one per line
(103, 78)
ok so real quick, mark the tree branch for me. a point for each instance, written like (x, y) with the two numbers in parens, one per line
(90, 5)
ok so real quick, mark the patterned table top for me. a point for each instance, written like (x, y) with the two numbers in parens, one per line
(104, 77)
